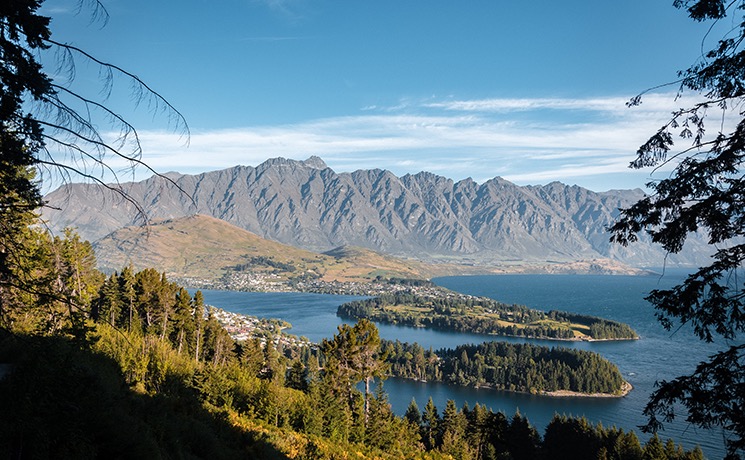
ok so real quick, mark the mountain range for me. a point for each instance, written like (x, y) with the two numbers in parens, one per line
(425, 216)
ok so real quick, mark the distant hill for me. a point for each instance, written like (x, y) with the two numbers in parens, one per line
(202, 247)
(306, 204)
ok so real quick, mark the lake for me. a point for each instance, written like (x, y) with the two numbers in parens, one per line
(656, 356)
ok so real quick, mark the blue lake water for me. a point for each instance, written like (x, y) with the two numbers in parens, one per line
(658, 355)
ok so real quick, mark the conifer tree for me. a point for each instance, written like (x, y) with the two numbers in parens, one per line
(430, 425)
(198, 312)
(627, 446)
(127, 284)
(522, 438)
(412, 415)
(353, 355)
(108, 306)
(380, 427)
(183, 321)
(654, 449)
(453, 432)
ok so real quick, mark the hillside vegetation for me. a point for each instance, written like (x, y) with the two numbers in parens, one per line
(131, 365)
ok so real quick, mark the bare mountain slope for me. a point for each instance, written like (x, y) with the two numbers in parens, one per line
(308, 205)
(203, 248)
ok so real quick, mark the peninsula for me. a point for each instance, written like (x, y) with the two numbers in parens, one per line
(451, 311)
(514, 367)
(521, 368)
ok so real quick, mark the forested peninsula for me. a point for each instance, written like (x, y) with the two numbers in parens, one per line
(526, 368)
(511, 367)
(455, 312)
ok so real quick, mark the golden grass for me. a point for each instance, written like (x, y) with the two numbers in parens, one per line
(204, 247)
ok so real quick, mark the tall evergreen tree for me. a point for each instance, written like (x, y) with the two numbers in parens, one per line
(413, 415)
(453, 432)
(430, 425)
(183, 321)
(198, 312)
(297, 376)
(654, 449)
(218, 345)
(353, 355)
(522, 438)
(109, 304)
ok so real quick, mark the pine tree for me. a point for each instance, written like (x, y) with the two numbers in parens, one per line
(430, 425)
(381, 424)
(353, 355)
(412, 415)
(198, 314)
(453, 432)
(522, 438)
(297, 376)
(627, 446)
(109, 304)
(654, 450)
(127, 289)
(183, 322)
(477, 427)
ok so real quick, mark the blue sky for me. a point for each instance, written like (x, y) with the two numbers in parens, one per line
(529, 91)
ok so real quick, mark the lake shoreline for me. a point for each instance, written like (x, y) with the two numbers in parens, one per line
(379, 289)
(625, 390)
(657, 355)
(552, 339)
(243, 327)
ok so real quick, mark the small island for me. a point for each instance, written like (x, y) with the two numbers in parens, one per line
(461, 313)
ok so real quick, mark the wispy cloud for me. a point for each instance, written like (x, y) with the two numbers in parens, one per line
(290, 9)
(508, 105)
(652, 102)
(478, 139)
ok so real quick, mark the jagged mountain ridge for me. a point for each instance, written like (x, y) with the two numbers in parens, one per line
(308, 205)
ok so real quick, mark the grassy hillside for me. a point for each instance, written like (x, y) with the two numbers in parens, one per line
(204, 247)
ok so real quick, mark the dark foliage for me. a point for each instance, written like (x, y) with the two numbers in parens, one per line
(507, 366)
(705, 193)
(264, 261)
(61, 401)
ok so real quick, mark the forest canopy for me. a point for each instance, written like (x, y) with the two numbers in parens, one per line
(506, 366)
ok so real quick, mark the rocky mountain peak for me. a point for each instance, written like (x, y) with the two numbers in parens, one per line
(308, 205)
(315, 162)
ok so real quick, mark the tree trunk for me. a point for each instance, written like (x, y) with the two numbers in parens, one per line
(367, 399)
(165, 326)
(196, 352)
